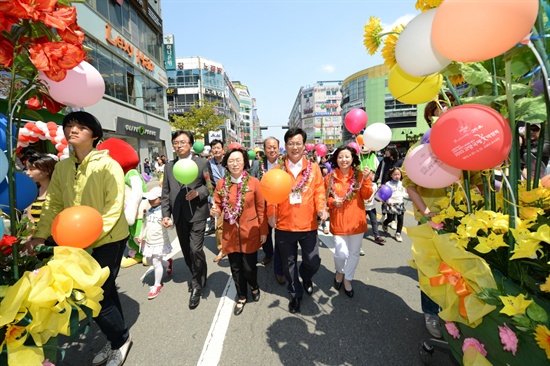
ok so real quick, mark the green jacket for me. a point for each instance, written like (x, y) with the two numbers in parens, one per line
(98, 182)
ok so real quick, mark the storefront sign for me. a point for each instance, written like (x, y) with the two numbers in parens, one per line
(130, 128)
(127, 47)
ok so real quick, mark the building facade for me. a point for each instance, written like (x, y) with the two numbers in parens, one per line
(124, 43)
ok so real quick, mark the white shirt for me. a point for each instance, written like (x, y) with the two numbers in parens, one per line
(271, 165)
(295, 169)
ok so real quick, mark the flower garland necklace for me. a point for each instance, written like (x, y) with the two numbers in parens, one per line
(305, 177)
(230, 213)
(352, 189)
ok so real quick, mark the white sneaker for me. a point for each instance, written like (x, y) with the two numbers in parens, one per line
(433, 325)
(398, 237)
(393, 225)
(117, 356)
(103, 355)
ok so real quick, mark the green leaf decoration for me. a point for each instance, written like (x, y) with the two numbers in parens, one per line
(490, 296)
(537, 313)
(476, 74)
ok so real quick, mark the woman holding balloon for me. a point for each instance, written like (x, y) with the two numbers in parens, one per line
(347, 189)
(92, 178)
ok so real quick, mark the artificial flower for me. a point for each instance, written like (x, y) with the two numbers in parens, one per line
(546, 286)
(528, 243)
(54, 58)
(424, 5)
(457, 79)
(452, 329)
(492, 242)
(6, 52)
(472, 342)
(388, 51)
(61, 18)
(72, 34)
(514, 305)
(6, 22)
(508, 338)
(542, 336)
(371, 38)
(8, 240)
(435, 225)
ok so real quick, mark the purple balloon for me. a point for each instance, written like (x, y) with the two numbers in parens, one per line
(146, 177)
(385, 192)
(538, 87)
(426, 137)
(329, 166)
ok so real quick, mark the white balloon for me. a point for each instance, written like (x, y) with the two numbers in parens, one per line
(42, 137)
(58, 138)
(33, 134)
(41, 125)
(414, 51)
(24, 132)
(62, 157)
(376, 136)
(24, 144)
(3, 165)
(66, 151)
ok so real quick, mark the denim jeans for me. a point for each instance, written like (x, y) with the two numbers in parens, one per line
(111, 318)
(428, 305)
(373, 220)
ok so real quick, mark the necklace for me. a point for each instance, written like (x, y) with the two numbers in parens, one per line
(230, 213)
(305, 177)
(352, 189)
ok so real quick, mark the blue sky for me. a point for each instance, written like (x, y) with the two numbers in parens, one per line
(276, 46)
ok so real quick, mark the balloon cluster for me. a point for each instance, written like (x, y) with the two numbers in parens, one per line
(32, 132)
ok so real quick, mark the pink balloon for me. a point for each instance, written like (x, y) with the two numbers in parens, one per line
(355, 120)
(82, 87)
(321, 149)
(426, 170)
(310, 146)
(355, 145)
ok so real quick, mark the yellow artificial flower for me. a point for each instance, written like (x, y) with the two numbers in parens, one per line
(530, 213)
(542, 336)
(526, 245)
(388, 51)
(371, 38)
(546, 286)
(499, 222)
(492, 242)
(457, 79)
(514, 305)
(443, 203)
(424, 5)
(450, 213)
(528, 197)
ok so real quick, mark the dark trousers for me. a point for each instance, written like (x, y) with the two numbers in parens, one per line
(391, 217)
(373, 221)
(244, 271)
(272, 251)
(191, 238)
(111, 319)
(287, 242)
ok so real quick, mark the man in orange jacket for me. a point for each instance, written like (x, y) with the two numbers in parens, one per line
(295, 219)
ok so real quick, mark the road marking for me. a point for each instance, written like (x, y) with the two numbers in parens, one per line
(213, 346)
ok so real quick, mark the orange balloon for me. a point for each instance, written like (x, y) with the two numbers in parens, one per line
(359, 139)
(276, 186)
(77, 227)
(495, 26)
(545, 181)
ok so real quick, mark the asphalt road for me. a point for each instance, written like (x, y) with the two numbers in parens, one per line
(381, 325)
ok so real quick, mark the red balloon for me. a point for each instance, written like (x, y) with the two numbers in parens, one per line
(471, 137)
(309, 146)
(276, 186)
(321, 149)
(234, 145)
(355, 146)
(355, 120)
(77, 226)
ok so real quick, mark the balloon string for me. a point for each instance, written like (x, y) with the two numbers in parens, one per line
(466, 196)
(189, 201)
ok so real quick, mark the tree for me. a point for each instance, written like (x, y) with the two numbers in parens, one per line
(199, 120)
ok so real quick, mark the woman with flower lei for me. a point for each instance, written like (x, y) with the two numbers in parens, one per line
(347, 189)
(238, 198)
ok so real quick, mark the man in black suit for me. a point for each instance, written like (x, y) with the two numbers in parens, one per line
(187, 204)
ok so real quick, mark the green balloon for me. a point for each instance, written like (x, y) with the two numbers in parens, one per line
(198, 147)
(185, 171)
(251, 154)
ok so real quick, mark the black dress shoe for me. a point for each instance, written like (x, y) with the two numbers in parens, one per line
(281, 280)
(350, 293)
(256, 296)
(337, 285)
(239, 307)
(294, 305)
(195, 298)
(189, 286)
(308, 286)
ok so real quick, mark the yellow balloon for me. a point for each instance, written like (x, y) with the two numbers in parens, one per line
(410, 89)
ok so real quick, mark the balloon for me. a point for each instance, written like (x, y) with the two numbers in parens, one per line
(3, 132)
(3, 165)
(471, 137)
(355, 146)
(234, 145)
(376, 136)
(538, 88)
(410, 89)
(329, 166)
(359, 139)
(25, 192)
(321, 149)
(385, 192)
(414, 51)
(310, 146)
(492, 32)
(77, 227)
(426, 170)
(82, 87)
(185, 171)
(426, 137)
(545, 181)
(355, 120)
(198, 147)
(276, 186)
(251, 154)
(146, 177)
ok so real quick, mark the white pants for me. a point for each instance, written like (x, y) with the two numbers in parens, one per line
(346, 254)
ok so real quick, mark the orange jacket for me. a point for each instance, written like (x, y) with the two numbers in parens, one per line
(244, 238)
(350, 218)
(301, 217)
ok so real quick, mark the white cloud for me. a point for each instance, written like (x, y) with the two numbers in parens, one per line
(329, 69)
(401, 20)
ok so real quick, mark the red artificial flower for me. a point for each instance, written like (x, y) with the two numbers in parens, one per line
(6, 22)
(54, 58)
(72, 34)
(8, 240)
(61, 18)
(51, 104)
(6, 52)
(27, 9)
(34, 103)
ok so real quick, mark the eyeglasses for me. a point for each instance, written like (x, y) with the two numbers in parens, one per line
(180, 143)
(233, 162)
(294, 144)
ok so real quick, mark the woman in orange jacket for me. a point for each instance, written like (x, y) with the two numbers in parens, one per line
(347, 188)
(239, 200)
